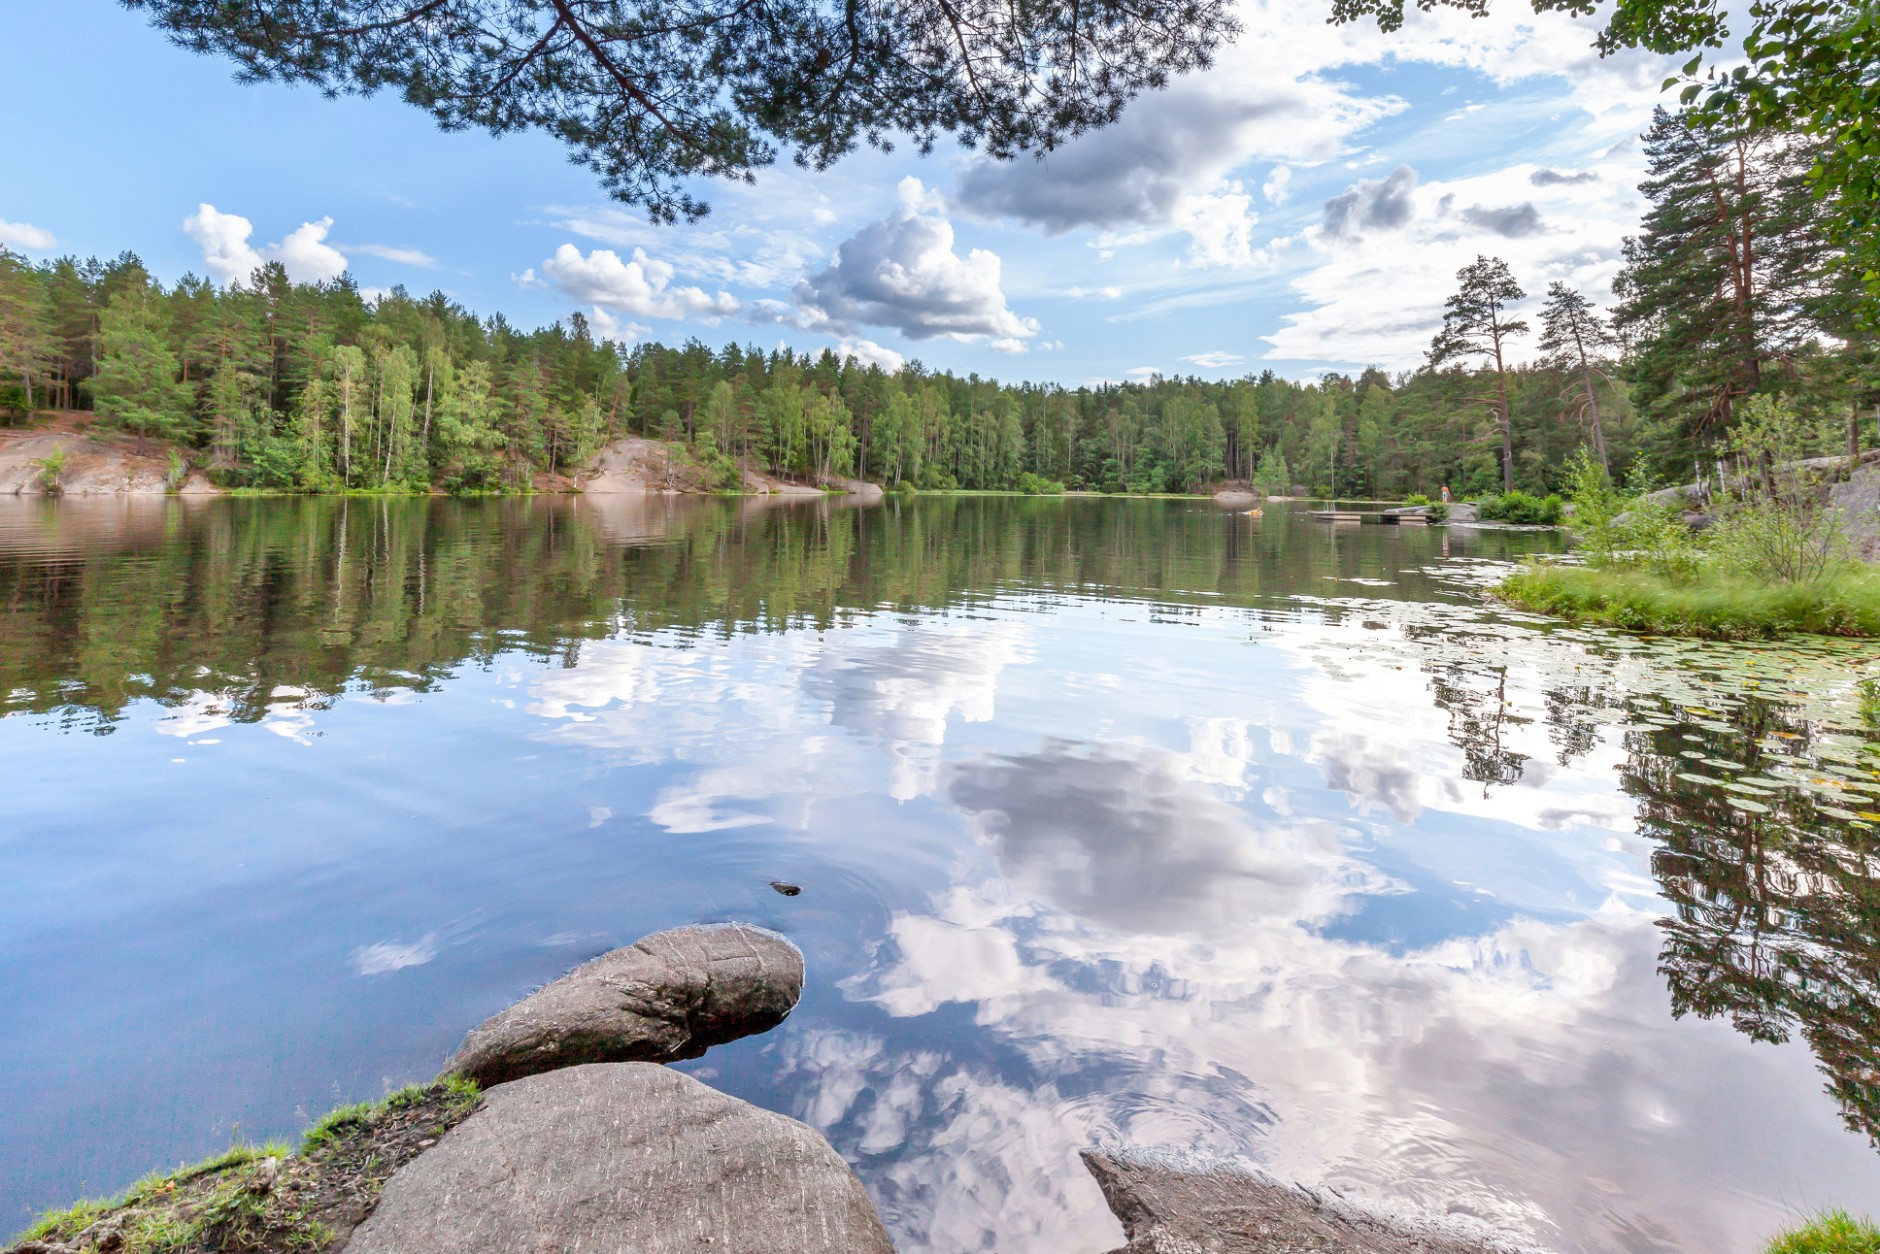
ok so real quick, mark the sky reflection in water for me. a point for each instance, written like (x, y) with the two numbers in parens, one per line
(1116, 823)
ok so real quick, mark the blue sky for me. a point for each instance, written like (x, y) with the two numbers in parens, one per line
(1303, 206)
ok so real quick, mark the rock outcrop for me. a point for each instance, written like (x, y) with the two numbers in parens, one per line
(637, 466)
(1185, 1204)
(623, 1158)
(1858, 499)
(667, 997)
(95, 464)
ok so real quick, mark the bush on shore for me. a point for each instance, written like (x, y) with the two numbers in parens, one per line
(1775, 558)
(1038, 485)
(1520, 507)
(1435, 511)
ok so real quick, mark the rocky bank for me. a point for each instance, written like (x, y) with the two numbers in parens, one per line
(96, 463)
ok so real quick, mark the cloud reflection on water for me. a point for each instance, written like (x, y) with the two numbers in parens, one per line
(1158, 934)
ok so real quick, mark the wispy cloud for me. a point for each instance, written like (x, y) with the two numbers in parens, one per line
(387, 252)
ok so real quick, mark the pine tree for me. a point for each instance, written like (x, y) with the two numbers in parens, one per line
(1722, 291)
(26, 345)
(1476, 324)
(138, 385)
(1577, 339)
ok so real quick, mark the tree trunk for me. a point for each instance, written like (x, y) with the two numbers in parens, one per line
(1507, 430)
(1592, 405)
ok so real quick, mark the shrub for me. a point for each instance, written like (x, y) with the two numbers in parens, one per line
(1038, 485)
(1437, 512)
(1784, 529)
(1519, 507)
(1417, 498)
(52, 470)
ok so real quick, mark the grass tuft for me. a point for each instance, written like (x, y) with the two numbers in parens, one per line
(239, 1200)
(335, 1124)
(1713, 605)
(1835, 1232)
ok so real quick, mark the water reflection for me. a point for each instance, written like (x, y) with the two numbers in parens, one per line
(1117, 822)
(1116, 837)
(1777, 909)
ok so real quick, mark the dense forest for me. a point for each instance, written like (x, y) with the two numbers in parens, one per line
(1730, 289)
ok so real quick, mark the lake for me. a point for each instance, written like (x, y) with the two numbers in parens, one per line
(1117, 823)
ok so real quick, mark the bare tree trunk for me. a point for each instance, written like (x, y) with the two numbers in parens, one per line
(1507, 429)
(1592, 405)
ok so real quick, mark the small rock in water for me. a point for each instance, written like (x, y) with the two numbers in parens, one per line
(786, 888)
(664, 998)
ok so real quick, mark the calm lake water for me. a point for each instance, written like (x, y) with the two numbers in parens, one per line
(1117, 822)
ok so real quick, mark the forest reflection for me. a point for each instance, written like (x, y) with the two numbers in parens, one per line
(103, 603)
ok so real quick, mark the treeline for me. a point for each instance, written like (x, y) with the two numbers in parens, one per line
(1730, 290)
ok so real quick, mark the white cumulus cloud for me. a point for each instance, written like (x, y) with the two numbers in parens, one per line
(640, 288)
(902, 272)
(25, 235)
(870, 353)
(230, 258)
(307, 255)
(223, 238)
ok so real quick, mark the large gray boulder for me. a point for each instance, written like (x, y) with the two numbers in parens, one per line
(623, 1158)
(667, 997)
(1186, 1204)
(1858, 499)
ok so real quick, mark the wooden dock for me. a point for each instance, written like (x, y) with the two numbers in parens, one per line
(1412, 517)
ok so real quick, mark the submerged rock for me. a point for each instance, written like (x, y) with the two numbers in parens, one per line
(1183, 1204)
(664, 998)
(623, 1158)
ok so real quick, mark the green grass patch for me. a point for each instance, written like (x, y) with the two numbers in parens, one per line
(267, 1199)
(1711, 604)
(1835, 1232)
